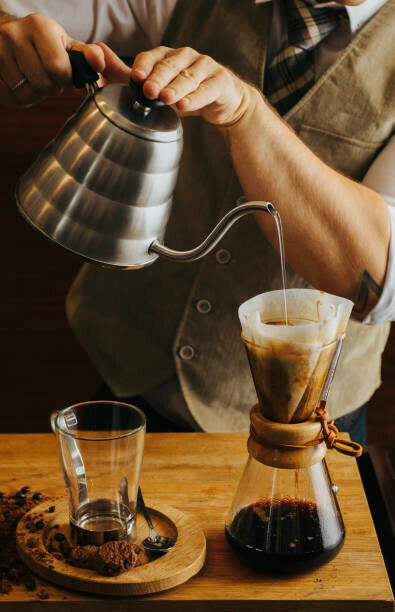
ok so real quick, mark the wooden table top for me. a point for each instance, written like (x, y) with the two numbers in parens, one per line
(198, 473)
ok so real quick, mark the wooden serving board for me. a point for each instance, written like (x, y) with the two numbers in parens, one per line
(175, 567)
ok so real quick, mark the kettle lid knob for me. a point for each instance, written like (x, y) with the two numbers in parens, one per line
(128, 108)
(140, 100)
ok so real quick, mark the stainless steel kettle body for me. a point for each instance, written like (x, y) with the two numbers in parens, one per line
(103, 187)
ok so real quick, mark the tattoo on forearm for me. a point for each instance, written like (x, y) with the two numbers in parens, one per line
(368, 290)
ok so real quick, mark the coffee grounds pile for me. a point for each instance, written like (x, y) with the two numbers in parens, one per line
(109, 559)
(12, 508)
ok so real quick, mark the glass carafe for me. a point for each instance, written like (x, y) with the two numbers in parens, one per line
(285, 520)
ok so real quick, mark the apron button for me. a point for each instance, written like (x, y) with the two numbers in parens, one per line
(186, 352)
(203, 306)
(223, 256)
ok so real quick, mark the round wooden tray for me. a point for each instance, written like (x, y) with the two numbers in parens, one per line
(175, 567)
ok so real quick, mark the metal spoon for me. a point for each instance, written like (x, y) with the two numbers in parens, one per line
(154, 542)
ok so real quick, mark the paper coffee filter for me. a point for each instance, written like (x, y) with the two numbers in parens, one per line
(318, 318)
(289, 362)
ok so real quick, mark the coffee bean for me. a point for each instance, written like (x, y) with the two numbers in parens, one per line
(25, 490)
(52, 509)
(59, 537)
(30, 583)
(13, 574)
(37, 496)
(21, 501)
(39, 524)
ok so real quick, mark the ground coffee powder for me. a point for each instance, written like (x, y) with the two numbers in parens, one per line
(109, 559)
(12, 508)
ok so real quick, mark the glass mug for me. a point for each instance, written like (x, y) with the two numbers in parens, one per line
(100, 447)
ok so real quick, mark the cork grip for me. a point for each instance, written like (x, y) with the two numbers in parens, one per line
(282, 445)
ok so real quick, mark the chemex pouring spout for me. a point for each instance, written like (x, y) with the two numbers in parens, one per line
(103, 188)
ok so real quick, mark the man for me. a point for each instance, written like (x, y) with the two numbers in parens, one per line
(170, 332)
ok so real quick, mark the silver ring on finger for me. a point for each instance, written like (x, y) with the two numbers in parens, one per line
(19, 84)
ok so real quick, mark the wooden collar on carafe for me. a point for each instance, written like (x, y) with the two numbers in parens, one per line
(296, 445)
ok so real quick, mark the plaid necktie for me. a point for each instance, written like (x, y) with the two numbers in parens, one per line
(291, 72)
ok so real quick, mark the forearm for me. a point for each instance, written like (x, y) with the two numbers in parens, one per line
(336, 231)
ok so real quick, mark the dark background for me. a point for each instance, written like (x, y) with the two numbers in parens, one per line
(43, 366)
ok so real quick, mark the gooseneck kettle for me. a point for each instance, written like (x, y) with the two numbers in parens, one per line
(103, 187)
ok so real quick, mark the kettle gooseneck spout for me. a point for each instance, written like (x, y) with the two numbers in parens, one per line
(214, 236)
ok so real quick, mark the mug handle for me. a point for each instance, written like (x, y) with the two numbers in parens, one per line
(52, 418)
(77, 461)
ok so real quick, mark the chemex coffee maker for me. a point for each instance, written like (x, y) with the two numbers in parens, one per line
(285, 517)
(103, 188)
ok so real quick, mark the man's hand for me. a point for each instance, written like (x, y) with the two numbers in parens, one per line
(195, 84)
(35, 48)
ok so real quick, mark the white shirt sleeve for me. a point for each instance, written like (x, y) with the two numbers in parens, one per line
(381, 178)
(127, 26)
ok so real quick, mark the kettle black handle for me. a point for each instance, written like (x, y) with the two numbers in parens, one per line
(82, 72)
(138, 96)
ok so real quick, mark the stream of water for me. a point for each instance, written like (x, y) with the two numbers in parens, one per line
(280, 234)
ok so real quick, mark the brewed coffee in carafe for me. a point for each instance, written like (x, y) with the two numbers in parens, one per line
(285, 517)
(289, 521)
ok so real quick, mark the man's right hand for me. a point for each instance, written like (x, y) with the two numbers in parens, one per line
(35, 48)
